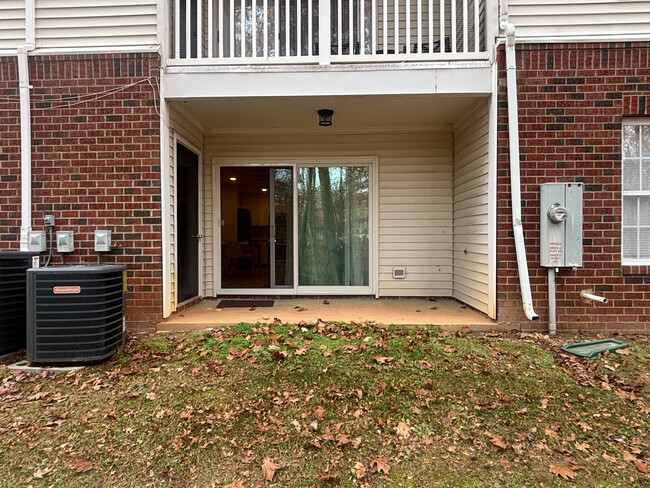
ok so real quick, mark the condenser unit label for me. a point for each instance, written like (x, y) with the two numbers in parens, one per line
(66, 290)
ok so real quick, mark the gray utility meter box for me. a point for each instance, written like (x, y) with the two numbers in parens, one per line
(561, 225)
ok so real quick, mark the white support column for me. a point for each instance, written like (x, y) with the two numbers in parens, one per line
(324, 35)
(165, 199)
(25, 148)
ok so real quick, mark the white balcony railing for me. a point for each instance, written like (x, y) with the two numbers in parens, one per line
(325, 31)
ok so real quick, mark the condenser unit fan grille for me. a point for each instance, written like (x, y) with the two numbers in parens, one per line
(76, 314)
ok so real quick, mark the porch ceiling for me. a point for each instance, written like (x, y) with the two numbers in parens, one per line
(366, 113)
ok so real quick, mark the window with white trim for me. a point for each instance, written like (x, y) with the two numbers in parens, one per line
(636, 192)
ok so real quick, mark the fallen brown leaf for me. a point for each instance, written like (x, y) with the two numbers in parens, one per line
(641, 466)
(383, 359)
(234, 484)
(328, 476)
(342, 440)
(563, 471)
(41, 473)
(360, 470)
(609, 458)
(268, 469)
(379, 465)
(582, 446)
(80, 465)
(497, 441)
(403, 430)
(319, 412)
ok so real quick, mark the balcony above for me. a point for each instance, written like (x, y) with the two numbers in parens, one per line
(325, 32)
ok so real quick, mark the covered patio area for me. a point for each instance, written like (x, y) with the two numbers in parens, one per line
(449, 314)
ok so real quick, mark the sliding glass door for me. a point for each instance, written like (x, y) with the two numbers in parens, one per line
(300, 228)
(333, 226)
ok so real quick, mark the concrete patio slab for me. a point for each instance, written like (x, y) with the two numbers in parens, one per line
(402, 311)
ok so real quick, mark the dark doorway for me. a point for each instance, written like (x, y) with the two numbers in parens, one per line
(187, 217)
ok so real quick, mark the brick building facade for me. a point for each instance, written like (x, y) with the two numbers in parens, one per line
(95, 162)
(573, 99)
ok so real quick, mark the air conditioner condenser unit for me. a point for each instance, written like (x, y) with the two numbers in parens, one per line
(75, 313)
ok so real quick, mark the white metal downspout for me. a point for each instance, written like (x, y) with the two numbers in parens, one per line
(515, 183)
(25, 149)
(26, 125)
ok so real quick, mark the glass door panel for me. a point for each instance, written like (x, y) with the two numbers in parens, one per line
(333, 226)
(256, 227)
(282, 227)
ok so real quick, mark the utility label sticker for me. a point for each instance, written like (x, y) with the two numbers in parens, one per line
(555, 253)
(66, 290)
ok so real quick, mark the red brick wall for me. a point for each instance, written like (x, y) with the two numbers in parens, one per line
(9, 155)
(95, 163)
(572, 99)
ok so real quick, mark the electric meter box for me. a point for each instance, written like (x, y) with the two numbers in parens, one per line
(561, 225)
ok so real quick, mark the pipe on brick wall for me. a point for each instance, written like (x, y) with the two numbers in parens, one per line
(25, 148)
(552, 317)
(515, 180)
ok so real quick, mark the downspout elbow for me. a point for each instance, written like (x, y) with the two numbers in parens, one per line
(509, 29)
(530, 313)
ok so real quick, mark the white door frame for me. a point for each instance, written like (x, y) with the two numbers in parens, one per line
(370, 161)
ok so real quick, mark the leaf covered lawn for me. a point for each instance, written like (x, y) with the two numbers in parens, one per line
(327, 404)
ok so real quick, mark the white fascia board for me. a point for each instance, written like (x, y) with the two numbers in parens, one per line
(461, 81)
(577, 39)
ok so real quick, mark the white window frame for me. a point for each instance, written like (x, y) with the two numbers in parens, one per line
(631, 193)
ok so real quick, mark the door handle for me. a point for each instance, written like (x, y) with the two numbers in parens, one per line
(198, 236)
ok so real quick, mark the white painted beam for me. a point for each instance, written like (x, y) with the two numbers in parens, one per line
(461, 81)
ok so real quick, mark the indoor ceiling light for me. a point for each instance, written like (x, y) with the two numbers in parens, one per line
(325, 116)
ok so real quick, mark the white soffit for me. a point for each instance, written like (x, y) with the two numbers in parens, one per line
(365, 113)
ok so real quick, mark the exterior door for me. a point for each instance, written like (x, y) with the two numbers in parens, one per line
(187, 223)
(256, 228)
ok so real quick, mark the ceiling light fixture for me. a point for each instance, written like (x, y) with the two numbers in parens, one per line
(325, 117)
(232, 178)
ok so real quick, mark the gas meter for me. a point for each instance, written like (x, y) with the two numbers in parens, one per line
(561, 225)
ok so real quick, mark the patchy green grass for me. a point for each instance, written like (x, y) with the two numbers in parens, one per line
(349, 405)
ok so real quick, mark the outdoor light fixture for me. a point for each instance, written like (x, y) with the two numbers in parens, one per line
(265, 189)
(232, 178)
(325, 117)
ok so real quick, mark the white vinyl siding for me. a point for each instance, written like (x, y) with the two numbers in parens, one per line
(172, 220)
(415, 222)
(100, 23)
(181, 129)
(415, 197)
(580, 18)
(209, 280)
(12, 24)
(471, 141)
